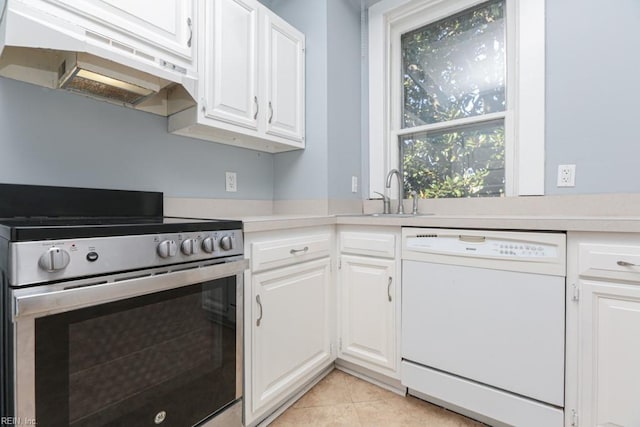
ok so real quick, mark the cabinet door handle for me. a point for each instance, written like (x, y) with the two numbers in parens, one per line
(255, 101)
(270, 112)
(259, 305)
(295, 251)
(625, 264)
(389, 288)
(190, 32)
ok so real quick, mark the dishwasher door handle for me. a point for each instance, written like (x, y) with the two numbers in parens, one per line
(472, 239)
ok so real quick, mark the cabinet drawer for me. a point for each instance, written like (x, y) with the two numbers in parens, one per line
(373, 244)
(609, 261)
(278, 253)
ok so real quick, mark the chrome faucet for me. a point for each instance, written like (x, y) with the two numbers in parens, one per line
(386, 203)
(400, 188)
(414, 196)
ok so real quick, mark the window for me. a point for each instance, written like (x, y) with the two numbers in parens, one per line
(457, 96)
(453, 70)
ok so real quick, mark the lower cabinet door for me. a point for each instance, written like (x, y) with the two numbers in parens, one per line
(290, 330)
(368, 312)
(609, 354)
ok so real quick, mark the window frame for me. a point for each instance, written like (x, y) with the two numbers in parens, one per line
(525, 69)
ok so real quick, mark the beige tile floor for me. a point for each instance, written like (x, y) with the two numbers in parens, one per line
(341, 399)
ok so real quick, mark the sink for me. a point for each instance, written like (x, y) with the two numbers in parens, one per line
(393, 215)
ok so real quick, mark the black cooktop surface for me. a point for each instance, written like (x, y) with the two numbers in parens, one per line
(36, 212)
(47, 228)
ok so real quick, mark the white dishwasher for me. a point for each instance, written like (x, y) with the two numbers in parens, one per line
(483, 323)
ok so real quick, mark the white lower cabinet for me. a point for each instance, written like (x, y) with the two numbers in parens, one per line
(289, 315)
(291, 335)
(603, 312)
(610, 354)
(368, 311)
(369, 299)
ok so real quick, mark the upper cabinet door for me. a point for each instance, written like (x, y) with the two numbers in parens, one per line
(164, 24)
(231, 59)
(284, 78)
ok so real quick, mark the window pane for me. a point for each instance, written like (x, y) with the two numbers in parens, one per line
(466, 162)
(455, 68)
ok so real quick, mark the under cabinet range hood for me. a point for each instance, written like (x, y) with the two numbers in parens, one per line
(86, 75)
(112, 50)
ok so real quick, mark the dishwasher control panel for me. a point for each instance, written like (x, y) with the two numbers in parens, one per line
(522, 251)
(484, 246)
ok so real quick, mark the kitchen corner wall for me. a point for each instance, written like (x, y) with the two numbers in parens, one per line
(57, 138)
(593, 57)
(333, 102)
(344, 98)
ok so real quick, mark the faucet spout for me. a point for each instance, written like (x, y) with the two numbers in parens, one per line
(400, 188)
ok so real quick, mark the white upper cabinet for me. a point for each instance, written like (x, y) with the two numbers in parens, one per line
(142, 34)
(251, 87)
(231, 46)
(165, 24)
(284, 79)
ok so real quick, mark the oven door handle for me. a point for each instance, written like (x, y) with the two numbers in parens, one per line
(52, 302)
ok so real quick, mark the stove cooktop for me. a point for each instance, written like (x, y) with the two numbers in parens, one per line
(36, 212)
(21, 229)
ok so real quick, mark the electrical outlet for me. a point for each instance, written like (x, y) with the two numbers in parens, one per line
(566, 175)
(354, 184)
(231, 182)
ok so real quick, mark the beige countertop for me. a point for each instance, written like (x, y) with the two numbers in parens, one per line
(595, 213)
(283, 222)
(498, 222)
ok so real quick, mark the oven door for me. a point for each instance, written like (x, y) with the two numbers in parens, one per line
(160, 348)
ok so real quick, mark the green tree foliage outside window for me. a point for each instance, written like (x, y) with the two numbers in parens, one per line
(454, 69)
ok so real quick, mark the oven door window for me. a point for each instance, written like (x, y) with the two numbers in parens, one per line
(166, 359)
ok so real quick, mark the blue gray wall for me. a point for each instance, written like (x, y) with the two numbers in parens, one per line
(593, 84)
(333, 102)
(303, 174)
(57, 138)
(344, 98)
(52, 137)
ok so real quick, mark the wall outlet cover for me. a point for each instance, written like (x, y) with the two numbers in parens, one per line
(231, 182)
(566, 175)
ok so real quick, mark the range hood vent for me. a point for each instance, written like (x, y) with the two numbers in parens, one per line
(87, 78)
(44, 50)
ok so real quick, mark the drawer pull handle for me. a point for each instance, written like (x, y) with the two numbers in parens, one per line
(295, 251)
(389, 288)
(259, 305)
(625, 264)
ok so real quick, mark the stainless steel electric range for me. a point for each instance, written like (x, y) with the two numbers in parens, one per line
(114, 315)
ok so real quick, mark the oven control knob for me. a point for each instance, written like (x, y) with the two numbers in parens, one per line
(167, 248)
(54, 259)
(190, 247)
(208, 245)
(226, 243)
